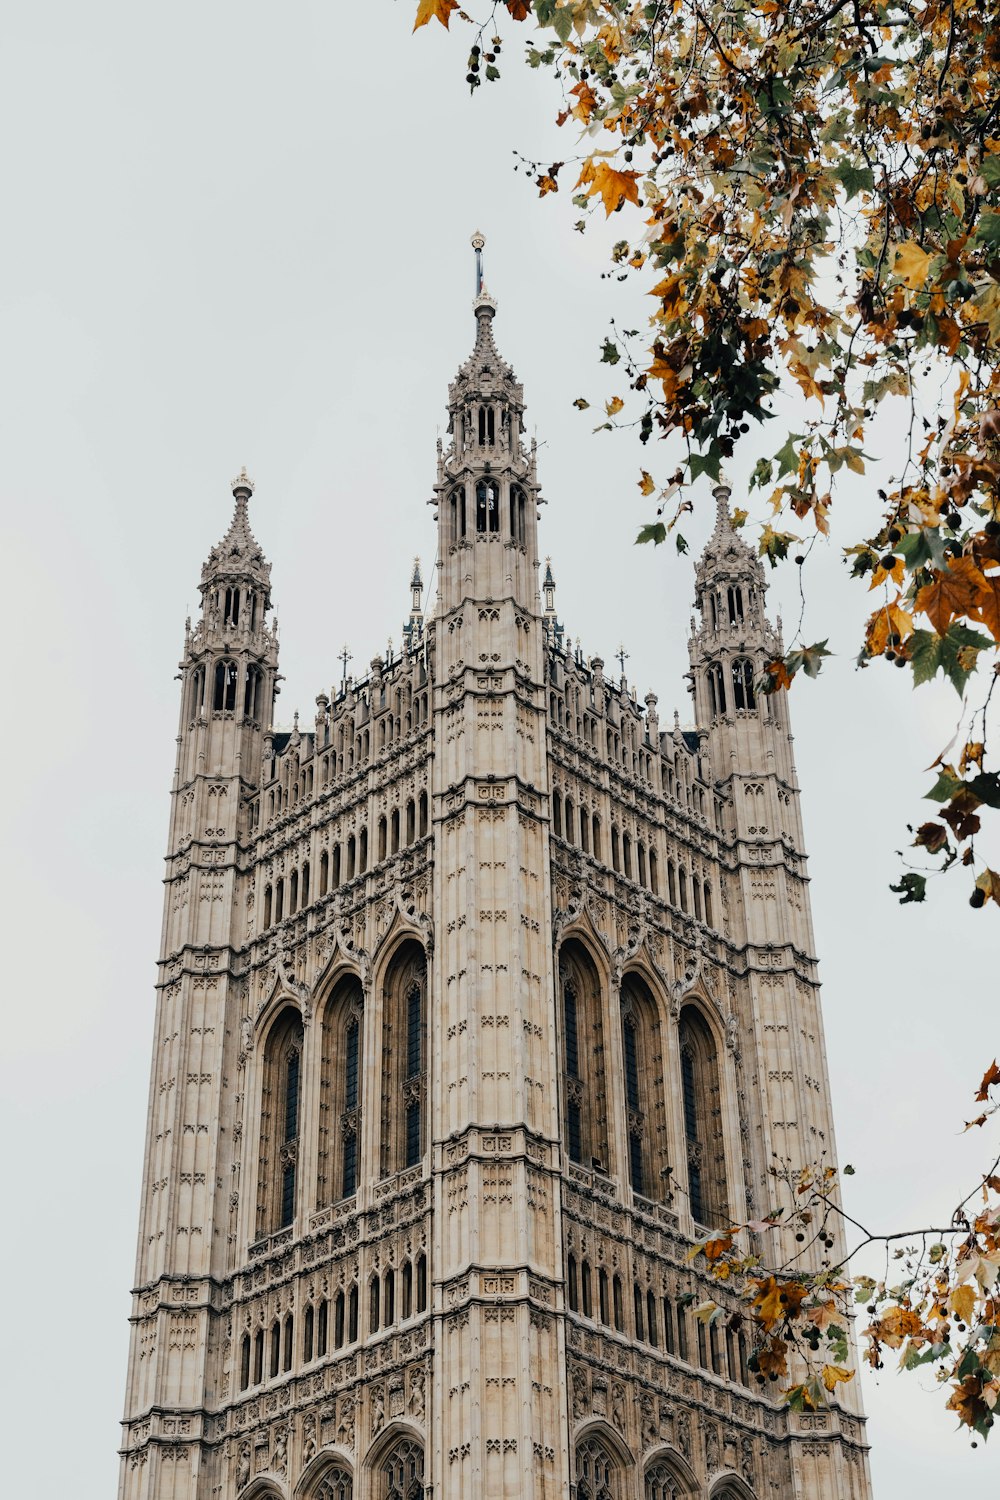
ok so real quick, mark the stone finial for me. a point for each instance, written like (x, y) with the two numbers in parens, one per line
(242, 483)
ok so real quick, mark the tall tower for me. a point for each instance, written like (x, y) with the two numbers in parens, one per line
(479, 1000)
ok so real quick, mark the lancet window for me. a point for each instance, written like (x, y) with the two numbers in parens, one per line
(716, 689)
(644, 1096)
(224, 697)
(706, 1163)
(457, 504)
(743, 689)
(487, 506)
(279, 1136)
(340, 1093)
(517, 510)
(251, 694)
(404, 1067)
(584, 1101)
(662, 1483)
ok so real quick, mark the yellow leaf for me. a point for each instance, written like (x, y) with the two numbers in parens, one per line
(614, 406)
(911, 265)
(646, 484)
(833, 1375)
(431, 10)
(614, 187)
(962, 1302)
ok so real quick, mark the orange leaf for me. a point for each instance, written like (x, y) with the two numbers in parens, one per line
(952, 594)
(546, 184)
(646, 484)
(614, 187)
(890, 620)
(779, 672)
(520, 10)
(987, 609)
(990, 1077)
(431, 10)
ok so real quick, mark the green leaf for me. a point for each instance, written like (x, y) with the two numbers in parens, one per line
(809, 659)
(854, 179)
(912, 886)
(925, 545)
(990, 170)
(609, 351)
(986, 786)
(959, 649)
(988, 230)
(945, 787)
(709, 463)
(924, 647)
(680, 543)
(562, 23)
(656, 533)
(787, 458)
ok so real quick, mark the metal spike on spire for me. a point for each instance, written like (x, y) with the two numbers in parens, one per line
(478, 241)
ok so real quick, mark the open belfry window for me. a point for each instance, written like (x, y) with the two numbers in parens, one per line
(487, 506)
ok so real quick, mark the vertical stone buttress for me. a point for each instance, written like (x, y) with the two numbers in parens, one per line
(500, 1425)
(749, 744)
(228, 679)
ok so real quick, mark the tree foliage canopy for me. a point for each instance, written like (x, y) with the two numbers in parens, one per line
(812, 191)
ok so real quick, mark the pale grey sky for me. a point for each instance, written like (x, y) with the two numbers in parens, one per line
(238, 233)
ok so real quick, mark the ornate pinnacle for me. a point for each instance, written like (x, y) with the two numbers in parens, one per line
(243, 482)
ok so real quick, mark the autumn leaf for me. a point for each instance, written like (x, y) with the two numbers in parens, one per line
(614, 406)
(615, 188)
(646, 484)
(911, 265)
(954, 592)
(434, 10)
(987, 607)
(834, 1375)
(520, 10)
(546, 183)
(962, 1302)
(990, 1077)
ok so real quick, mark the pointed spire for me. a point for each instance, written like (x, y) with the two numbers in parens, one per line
(239, 553)
(414, 627)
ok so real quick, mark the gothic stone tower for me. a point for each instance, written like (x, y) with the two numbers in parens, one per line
(477, 1001)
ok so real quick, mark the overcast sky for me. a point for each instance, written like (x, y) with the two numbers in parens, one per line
(239, 234)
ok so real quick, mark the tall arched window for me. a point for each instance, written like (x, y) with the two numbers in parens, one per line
(648, 1156)
(457, 502)
(706, 1158)
(404, 1065)
(401, 1472)
(197, 691)
(518, 505)
(743, 693)
(598, 1473)
(487, 506)
(340, 1093)
(585, 1103)
(734, 598)
(716, 689)
(251, 694)
(224, 697)
(557, 825)
(279, 1134)
(336, 1484)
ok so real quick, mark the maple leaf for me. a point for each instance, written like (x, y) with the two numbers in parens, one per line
(434, 10)
(646, 484)
(520, 10)
(615, 188)
(895, 1325)
(962, 1302)
(990, 1077)
(954, 592)
(987, 607)
(614, 406)
(834, 1375)
(911, 265)
(776, 1300)
(546, 184)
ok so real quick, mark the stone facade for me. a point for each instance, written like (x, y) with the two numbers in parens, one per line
(476, 999)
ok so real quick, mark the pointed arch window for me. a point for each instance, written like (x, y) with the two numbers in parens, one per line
(197, 692)
(401, 1472)
(716, 689)
(584, 1101)
(340, 1093)
(224, 698)
(598, 1473)
(404, 1068)
(487, 506)
(662, 1483)
(337, 1485)
(279, 1136)
(457, 503)
(251, 694)
(743, 689)
(734, 600)
(645, 1103)
(518, 508)
(706, 1161)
